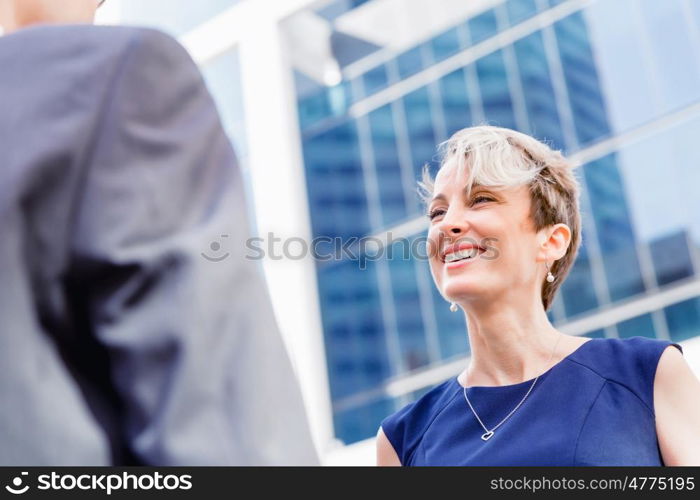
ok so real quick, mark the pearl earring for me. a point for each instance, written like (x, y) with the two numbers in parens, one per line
(453, 307)
(550, 276)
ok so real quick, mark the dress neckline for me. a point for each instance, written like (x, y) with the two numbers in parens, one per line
(455, 379)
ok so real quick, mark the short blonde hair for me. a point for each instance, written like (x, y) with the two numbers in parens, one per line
(501, 157)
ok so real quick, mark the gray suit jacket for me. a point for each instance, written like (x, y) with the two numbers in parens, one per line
(120, 343)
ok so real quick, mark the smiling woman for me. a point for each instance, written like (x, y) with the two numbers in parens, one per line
(504, 232)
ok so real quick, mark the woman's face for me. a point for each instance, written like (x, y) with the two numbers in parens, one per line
(29, 12)
(484, 247)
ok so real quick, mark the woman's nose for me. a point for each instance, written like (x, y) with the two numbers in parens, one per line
(453, 223)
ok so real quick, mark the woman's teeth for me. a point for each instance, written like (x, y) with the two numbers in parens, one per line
(461, 254)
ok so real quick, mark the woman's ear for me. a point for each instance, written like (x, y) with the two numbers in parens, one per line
(555, 242)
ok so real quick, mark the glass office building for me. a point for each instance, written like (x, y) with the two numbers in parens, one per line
(613, 83)
(378, 84)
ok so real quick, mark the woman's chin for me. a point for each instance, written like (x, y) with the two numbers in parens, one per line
(464, 290)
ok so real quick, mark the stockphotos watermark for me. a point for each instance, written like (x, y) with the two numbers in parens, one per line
(354, 249)
(103, 483)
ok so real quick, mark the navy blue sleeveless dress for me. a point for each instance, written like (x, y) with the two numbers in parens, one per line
(594, 407)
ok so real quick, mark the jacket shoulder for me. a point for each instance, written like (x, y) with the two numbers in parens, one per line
(405, 428)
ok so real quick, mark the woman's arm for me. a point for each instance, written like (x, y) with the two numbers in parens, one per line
(677, 408)
(386, 456)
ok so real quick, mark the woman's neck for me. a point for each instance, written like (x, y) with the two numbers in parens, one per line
(509, 344)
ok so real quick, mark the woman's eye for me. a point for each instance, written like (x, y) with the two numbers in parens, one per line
(481, 199)
(435, 213)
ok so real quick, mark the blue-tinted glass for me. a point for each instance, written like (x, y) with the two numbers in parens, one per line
(554, 3)
(578, 291)
(375, 79)
(538, 90)
(596, 334)
(223, 77)
(556, 310)
(386, 162)
(452, 328)
(495, 92)
(333, 10)
(456, 108)
(313, 109)
(335, 183)
(629, 78)
(353, 326)
(415, 395)
(674, 52)
(361, 423)
(640, 326)
(581, 77)
(174, 16)
(519, 10)
(671, 257)
(329, 102)
(662, 178)
(613, 227)
(482, 26)
(445, 44)
(421, 135)
(407, 306)
(410, 62)
(339, 98)
(683, 319)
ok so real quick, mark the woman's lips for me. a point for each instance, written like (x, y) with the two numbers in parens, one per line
(460, 263)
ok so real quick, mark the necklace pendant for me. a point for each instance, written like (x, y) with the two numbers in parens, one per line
(487, 435)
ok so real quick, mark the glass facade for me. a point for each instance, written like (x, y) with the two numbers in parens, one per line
(583, 79)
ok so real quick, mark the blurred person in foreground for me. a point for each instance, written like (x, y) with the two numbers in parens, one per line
(120, 343)
(504, 231)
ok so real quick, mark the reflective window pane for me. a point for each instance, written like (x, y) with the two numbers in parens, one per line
(578, 291)
(495, 92)
(538, 90)
(452, 327)
(362, 422)
(671, 256)
(673, 52)
(407, 308)
(683, 319)
(661, 176)
(410, 62)
(386, 163)
(596, 334)
(335, 183)
(446, 44)
(375, 79)
(354, 329)
(482, 26)
(520, 10)
(640, 326)
(581, 78)
(456, 108)
(421, 133)
(613, 227)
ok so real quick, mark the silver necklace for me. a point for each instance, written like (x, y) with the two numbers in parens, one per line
(487, 435)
